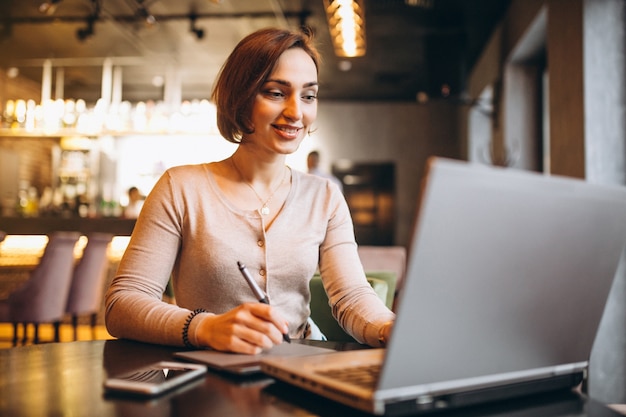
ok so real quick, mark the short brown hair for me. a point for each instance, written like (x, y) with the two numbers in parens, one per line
(245, 71)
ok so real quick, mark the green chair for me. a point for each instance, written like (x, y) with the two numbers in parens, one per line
(383, 283)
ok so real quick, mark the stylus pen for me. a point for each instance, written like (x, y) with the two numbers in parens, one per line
(258, 292)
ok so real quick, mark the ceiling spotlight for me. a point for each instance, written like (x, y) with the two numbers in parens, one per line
(146, 16)
(426, 4)
(345, 65)
(13, 72)
(84, 33)
(49, 7)
(158, 81)
(199, 32)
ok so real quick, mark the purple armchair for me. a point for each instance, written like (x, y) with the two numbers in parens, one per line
(43, 297)
(87, 288)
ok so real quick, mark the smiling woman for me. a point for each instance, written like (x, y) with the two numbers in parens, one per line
(201, 220)
(247, 73)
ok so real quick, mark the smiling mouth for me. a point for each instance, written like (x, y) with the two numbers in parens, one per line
(288, 129)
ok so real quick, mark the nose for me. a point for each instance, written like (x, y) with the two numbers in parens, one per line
(293, 108)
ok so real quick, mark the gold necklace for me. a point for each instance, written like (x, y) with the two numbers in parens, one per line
(264, 210)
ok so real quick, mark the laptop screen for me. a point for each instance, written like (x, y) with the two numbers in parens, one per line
(508, 273)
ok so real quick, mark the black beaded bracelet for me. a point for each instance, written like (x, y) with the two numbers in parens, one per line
(186, 326)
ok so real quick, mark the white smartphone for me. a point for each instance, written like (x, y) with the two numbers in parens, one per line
(155, 378)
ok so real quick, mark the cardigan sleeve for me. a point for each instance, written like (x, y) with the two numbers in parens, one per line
(355, 305)
(133, 303)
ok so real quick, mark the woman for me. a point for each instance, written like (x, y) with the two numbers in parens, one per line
(199, 221)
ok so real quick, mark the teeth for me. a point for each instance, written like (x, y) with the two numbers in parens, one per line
(287, 129)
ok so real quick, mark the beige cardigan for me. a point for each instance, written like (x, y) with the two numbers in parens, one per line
(190, 232)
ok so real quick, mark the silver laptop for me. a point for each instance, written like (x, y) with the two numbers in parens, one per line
(508, 275)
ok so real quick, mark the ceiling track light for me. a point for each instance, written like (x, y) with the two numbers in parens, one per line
(146, 16)
(84, 33)
(199, 32)
(88, 31)
(346, 23)
(49, 7)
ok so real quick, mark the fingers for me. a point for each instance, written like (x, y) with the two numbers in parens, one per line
(387, 331)
(268, 314)
(249, 329)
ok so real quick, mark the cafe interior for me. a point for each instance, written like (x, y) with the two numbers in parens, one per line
(98, 96)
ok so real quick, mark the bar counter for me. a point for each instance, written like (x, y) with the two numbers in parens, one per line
(85, 225)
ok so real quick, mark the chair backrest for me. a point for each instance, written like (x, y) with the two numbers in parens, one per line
(383, 283)
(87, 287)
(43, 297)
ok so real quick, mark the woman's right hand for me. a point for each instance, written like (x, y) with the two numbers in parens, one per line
(248, 328)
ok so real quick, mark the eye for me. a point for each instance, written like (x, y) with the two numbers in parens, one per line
(309, 95)
(273, 94)
(309, 98)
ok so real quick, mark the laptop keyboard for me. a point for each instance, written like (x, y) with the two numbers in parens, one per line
(364, 376)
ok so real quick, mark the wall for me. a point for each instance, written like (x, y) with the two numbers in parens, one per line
(512, 137)
(566, 72)
(403, 133)
(604, 60)
(506, 36)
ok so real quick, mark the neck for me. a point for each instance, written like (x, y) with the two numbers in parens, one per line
(258, 172)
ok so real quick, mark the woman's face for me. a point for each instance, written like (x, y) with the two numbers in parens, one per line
(286, 105)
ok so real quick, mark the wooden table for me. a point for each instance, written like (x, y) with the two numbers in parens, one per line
(65, 379)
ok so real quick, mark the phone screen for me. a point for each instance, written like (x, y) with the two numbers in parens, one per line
(155, 374)
(155, 378)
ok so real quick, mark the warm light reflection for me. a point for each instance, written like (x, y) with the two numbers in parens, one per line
(26, 250)
(23, 244)
(117, 247)
(70, 116)
(52, 380)
(22, 250)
